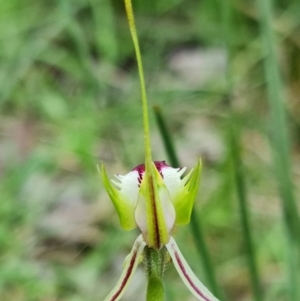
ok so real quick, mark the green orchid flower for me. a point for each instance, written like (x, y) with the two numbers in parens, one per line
(154, 197)
(154, 201)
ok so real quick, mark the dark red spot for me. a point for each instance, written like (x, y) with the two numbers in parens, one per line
(141, 169)
(160, 164)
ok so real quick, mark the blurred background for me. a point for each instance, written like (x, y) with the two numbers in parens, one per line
(70, 99)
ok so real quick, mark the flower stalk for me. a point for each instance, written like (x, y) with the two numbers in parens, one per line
(131, 22)
(155, 262)
(155, 289)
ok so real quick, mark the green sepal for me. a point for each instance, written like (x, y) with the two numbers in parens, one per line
(184, 199)
(124, 207)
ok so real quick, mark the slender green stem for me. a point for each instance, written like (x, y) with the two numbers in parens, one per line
(168, 144)
(155, 289)
(195, 223)
(134, 36)
(155, 262)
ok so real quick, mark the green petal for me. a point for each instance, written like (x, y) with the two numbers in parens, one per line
(184, 199)
(155, 214)
(124, 206)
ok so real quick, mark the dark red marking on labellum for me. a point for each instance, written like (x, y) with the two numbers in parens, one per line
(141, 169)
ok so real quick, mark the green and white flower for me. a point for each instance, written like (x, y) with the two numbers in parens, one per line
(154, 198)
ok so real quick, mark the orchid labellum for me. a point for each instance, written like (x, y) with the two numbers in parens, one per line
(153, 197)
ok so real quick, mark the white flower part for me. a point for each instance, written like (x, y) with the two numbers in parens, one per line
(172, 179)
(167, 208)
(187, 275)
(130, 265)
(128, 185)
(140, 215)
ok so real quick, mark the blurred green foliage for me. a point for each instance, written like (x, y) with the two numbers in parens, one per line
(69, 98)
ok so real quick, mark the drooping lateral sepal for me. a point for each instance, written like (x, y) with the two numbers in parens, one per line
(124, 199)
(130, 265)
(154, 214)
(187, 275)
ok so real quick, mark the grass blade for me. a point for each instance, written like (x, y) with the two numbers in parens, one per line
(238, 171)
(280, 141)
(239, 178)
